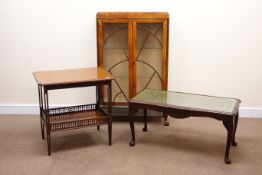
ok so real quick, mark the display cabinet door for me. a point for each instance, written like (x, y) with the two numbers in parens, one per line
(150, 54)
(114, 53)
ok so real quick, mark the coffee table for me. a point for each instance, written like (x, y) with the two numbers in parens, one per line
(183, 105)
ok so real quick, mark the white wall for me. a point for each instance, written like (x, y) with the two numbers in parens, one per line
(215, 47)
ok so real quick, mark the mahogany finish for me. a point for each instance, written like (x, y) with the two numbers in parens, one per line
(229, 119)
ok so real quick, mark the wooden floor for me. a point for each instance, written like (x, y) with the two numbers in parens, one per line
(188, 146)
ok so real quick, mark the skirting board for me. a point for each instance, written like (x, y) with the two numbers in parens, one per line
(246, 112)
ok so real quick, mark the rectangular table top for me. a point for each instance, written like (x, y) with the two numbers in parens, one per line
(81, 75)
(187, 101)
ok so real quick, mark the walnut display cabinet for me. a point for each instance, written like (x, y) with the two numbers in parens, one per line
(133, 46)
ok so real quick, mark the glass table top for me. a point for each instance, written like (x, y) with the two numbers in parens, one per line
(186, 100)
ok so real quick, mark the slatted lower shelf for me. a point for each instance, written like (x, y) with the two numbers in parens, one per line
(75, 117)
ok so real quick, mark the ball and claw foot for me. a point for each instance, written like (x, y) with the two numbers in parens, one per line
(132, 143)
(234, 143)
(166, 123)
(227, 161)
(145, 129)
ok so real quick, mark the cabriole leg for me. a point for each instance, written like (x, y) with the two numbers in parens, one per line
(229, 126)
(131, 123)
(234, 143)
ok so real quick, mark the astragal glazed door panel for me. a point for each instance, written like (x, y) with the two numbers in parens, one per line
(133, 47)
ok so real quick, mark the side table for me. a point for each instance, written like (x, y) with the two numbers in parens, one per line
(73, 117)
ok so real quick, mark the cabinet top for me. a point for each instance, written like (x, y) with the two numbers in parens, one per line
(130, 15)
(70, 76)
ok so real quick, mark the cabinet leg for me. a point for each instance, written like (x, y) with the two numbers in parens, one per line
(145, 120)
(110, 133)
(165, 119)
(98, 127)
